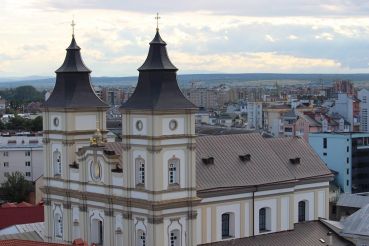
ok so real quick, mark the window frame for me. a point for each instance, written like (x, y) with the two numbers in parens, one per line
(140, 169)
(174, 171)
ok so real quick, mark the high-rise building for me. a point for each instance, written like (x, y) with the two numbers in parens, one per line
(363, 96)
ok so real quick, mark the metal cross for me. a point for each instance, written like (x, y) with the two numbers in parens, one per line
(73, 25)
(157, 21)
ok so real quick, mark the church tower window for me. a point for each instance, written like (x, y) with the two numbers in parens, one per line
(58, 225)
(141, 238)
(174, 238)
(140, 171)
(57, 163)
(173, 171)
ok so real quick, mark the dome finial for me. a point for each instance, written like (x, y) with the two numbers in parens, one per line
(157, 21)
(73, 24)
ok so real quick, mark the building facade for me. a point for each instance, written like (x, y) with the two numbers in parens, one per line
(363, 96)
(347, 154)
(21, 154)
(162, 185)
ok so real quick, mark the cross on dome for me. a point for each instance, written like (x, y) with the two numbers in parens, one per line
(157, 17)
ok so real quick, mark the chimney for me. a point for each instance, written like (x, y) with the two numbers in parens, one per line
(330, 238)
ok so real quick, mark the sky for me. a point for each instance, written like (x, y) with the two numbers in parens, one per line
(203, 36)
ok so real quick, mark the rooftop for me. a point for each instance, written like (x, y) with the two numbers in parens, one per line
(270, 161)
(305, 234)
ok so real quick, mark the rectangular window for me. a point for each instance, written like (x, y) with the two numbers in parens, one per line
(325, 154)
(325, 143)
(348, 160)
(28, 153)
(347, 171)
(28, 174)
(348, 149)
(225, 225)
(6, 164)
(5, 153)
(28, 163)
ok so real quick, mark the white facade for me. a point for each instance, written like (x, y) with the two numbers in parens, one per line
(344, 106)
(254, 115)
(23, 154)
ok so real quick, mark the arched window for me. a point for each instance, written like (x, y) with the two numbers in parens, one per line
(264, 219)
(173, 171)
(141, 238)
(57, 162)
(227, 225)
(140, 171)
(174, 238)
(302, 211)
(58, 226)
(97, 231)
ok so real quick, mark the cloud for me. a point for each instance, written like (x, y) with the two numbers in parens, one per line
(269, 38)
(250, 62)
(292, 37)
(114, 39)
(234, 7)
(326, 36)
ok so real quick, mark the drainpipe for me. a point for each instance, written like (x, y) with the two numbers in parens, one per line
(253, 211)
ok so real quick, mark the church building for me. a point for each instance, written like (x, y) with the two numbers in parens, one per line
(163, 185)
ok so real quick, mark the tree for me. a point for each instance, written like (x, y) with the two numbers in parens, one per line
(16, 188)
(36, 124)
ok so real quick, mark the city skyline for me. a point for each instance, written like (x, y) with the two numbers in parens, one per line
(229, 37)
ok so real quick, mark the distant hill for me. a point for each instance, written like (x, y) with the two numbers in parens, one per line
(204, 79)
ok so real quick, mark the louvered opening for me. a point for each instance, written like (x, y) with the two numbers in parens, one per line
(295, 160)
(245, 158)
(208, 160)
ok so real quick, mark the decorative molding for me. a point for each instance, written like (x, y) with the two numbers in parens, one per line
(127, 215)
(192, 215)
(162, 137)
(155, 220)
(45, 140)
(47, 202)
(83, 207)
(154, 149)
(67, 205)
(137, 188)
(191, 146)
(109, 212)
(68, 142)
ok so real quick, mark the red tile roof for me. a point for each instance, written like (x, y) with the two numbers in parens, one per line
(11, 214)
(17, 242)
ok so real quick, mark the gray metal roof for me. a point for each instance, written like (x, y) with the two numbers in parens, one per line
(157, 87)
(269, 161)
(357, 223)
(304, 234)
(352, 200)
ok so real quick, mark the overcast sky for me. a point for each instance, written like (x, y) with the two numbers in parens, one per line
(203, 36)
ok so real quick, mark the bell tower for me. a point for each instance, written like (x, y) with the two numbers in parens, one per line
(71, 116)
(159, 156)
